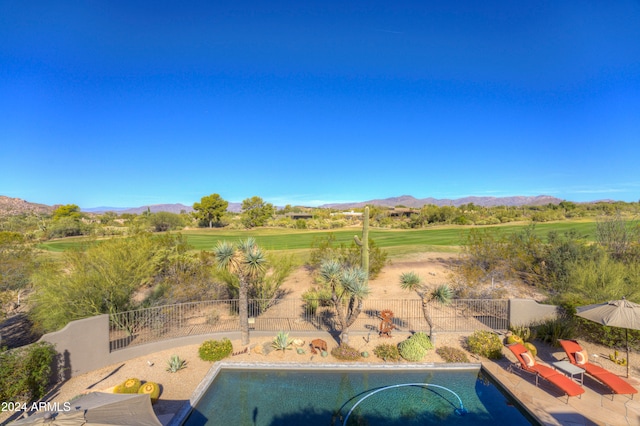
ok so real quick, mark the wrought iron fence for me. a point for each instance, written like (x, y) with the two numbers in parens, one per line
(166, 322)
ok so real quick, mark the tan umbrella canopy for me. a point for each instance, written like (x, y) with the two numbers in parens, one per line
(99, 409)
(616, 313)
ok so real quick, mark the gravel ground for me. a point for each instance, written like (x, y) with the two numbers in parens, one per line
(178, 387)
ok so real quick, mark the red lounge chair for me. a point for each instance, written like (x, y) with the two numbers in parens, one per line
(607, 378)
(530, 365)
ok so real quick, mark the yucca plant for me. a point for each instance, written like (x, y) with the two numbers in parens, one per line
(442, 294)
(282, 342)
(175, 364)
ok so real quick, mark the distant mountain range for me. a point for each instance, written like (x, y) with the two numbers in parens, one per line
(409, 201)
(10, 206)
(155, 208)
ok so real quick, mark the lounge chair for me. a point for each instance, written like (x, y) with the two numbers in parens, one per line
(528, 363)
(579, 357)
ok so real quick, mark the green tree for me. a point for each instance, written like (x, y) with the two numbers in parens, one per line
(67, 222)
(349, 287)
(67, 210)
(210, 209)
(441, 294)
(246, 261)
(256, 212)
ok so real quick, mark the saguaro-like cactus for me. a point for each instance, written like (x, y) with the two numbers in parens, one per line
(364, 242)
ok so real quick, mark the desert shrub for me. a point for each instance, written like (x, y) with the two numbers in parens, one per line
(412, 350)
(152, 389)
(25, 373)
(422, 339)
(451, 354)
(551, 330)
(345, 352)
(316, 297)
(324, 249)
(215, 350)
(486, 344)
(387, 352)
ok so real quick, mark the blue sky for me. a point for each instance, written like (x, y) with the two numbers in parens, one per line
(127, 103)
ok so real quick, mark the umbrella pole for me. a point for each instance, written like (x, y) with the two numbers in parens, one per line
(626, 335)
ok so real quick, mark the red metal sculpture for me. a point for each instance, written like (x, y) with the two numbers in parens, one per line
(386, 326)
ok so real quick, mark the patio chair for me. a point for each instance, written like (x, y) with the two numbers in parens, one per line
(578, 356)
(528, 363)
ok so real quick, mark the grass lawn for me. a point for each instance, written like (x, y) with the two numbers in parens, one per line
(396, 242)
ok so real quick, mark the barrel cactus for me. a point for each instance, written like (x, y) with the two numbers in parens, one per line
(152, 389)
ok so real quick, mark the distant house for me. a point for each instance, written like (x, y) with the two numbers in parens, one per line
(296, 216)
(398, 212)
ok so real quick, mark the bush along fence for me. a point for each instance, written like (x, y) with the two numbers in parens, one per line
(155, 324)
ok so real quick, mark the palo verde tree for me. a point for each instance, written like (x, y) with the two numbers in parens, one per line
(442, 294)
(210, 209)
(349, 287)
(99, 279)
(246, 261)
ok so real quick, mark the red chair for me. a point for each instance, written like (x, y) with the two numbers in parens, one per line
(528, 363)
(579, 357)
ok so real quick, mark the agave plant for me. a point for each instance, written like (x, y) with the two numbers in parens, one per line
(175, 364)
(282, 342)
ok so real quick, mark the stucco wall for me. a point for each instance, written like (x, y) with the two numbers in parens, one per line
(527, 312)
(82, 344)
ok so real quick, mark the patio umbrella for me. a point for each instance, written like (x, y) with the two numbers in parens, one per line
(99, 409)
(616, 313)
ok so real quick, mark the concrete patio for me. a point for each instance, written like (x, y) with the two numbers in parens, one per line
(595, 407)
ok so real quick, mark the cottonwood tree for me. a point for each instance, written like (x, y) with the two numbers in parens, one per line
(246, 261)
(210, 209)
(349, 287)
(442, 294)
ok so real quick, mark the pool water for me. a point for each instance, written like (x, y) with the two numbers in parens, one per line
(269, 397)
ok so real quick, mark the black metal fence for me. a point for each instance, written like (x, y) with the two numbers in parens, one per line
(171, 321)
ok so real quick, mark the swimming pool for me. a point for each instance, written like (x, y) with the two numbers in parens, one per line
(403, 395)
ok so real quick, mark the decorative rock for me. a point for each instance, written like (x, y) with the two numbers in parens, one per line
(298, 342)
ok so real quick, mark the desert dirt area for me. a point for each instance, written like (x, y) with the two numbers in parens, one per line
(178, 387)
